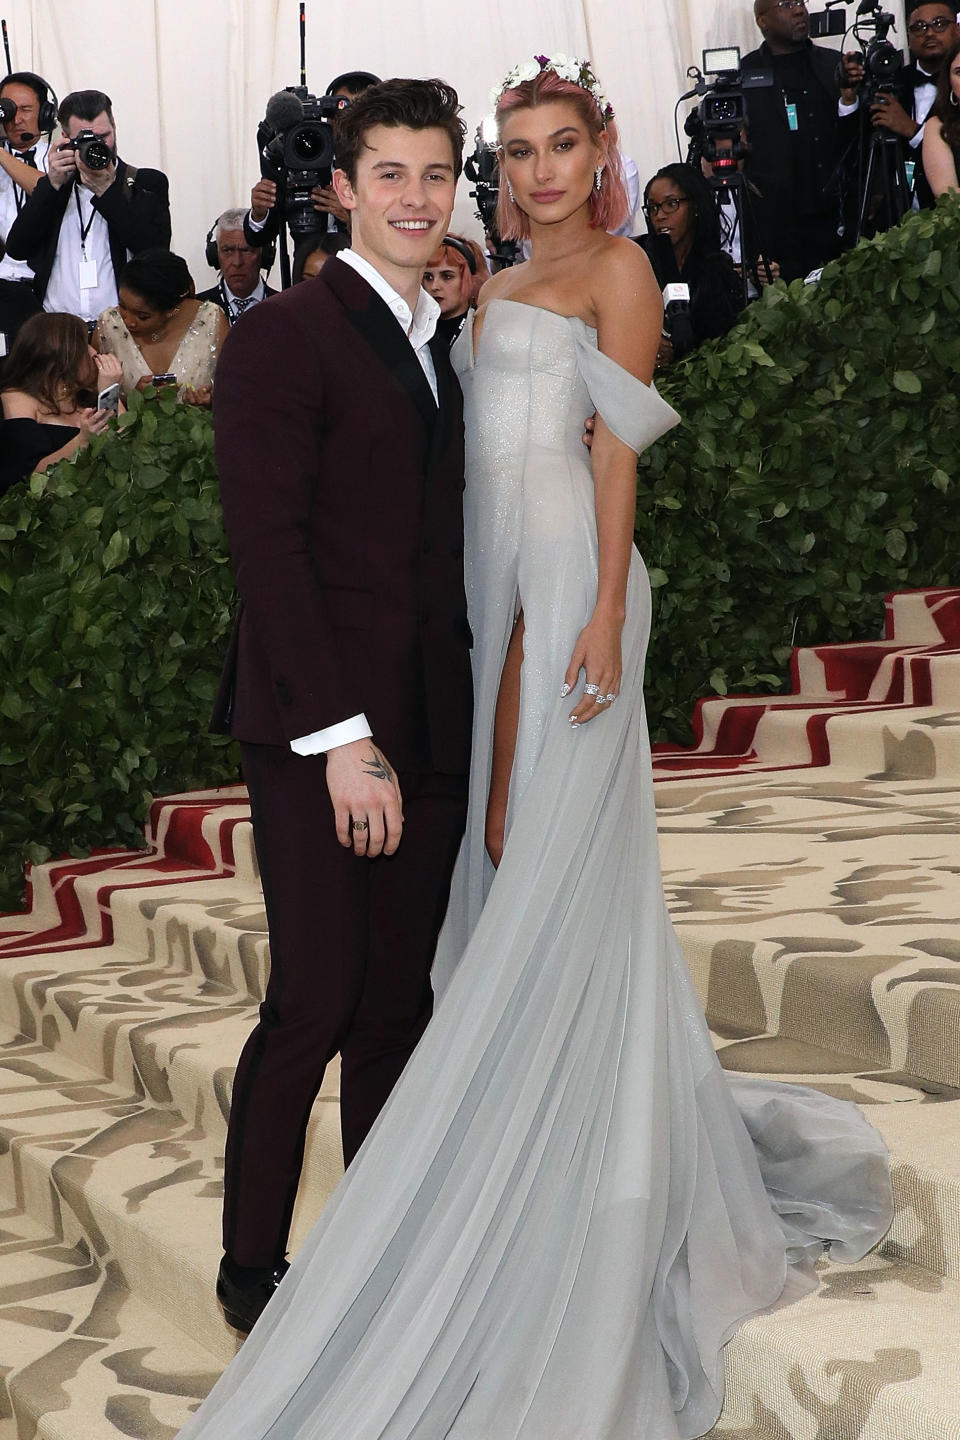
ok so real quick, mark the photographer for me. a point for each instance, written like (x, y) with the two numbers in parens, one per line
(88, 213)
(932, 32)
(797, 138)
(263, 220)
(27, 108)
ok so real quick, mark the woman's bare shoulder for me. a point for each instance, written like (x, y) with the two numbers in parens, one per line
(18, 405)
(622, 278)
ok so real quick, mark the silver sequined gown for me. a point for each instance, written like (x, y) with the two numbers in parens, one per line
(560, 1216)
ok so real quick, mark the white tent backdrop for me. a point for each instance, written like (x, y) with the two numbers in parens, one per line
(189, 78)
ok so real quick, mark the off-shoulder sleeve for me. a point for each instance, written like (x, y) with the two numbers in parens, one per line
(635, 413)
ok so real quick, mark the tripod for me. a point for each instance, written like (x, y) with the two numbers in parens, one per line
(885, 193)
(734, 184)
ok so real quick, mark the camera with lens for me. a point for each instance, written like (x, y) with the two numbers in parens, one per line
(483, 169)
(92, 152)
(296, 145)
(883, 63)
(721, 115)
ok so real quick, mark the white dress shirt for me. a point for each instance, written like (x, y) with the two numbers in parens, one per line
(64, 291)
(12, 198)
(419, 326)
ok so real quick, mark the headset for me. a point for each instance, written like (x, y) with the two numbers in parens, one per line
(268, 251)
(45, 93)
(453, 243)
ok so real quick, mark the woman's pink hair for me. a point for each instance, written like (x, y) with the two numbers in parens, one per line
(609, 205)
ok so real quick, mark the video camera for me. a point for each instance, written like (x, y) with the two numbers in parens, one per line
(296, 145)
(882, 61)
(91, 150)
(483, 169)
(722, 112)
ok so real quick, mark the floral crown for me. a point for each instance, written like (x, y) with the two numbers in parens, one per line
(568, 67)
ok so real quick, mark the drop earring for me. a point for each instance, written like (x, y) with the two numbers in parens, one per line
(953, 98)
(513, 198)
(599, 176)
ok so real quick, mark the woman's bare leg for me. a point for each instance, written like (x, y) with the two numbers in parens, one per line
(506, 720)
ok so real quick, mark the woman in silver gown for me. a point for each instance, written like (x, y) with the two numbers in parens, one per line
(566, 1207)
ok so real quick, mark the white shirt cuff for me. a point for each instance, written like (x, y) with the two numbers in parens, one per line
(356, 728)
(256, 225)
(845, 109)
(917, 140)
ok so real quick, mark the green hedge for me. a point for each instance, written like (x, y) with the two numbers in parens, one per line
(116, 600)
(815, 470)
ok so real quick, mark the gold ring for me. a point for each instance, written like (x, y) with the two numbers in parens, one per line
(361, 825)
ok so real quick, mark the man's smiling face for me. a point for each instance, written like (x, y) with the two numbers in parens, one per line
(401, 199)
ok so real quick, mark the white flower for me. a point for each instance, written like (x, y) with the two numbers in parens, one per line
(527, 70)
(566, 67)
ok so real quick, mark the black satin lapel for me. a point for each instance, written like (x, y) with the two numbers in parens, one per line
(376, 323)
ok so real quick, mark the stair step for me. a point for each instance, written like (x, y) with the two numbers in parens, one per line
(138, 1187)
(919, 1122)
(924, 616)
(822, 908)
(874, 1354)
(88, 1360)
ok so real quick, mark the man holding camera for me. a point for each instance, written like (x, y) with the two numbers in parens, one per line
(28, 117)
(263, 221)
(797, 137)
(89, 213)
(903, 110)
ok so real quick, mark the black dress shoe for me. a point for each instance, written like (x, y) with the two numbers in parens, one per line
(244, 1300)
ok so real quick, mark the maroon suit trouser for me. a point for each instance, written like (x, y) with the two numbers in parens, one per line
(351, 945)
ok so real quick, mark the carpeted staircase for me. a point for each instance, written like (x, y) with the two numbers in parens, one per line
(811, 852)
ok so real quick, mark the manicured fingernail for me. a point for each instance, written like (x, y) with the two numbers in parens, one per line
(574, 724)
(564, 692)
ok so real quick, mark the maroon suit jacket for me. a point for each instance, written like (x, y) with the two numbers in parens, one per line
(342, 489)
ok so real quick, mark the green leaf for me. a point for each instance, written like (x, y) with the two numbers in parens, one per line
(907, 382)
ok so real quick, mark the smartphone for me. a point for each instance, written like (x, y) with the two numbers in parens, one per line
(109, 399)
(168, 379)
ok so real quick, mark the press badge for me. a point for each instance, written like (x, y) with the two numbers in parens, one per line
(87, 274)
(910, 166)
(793, 119)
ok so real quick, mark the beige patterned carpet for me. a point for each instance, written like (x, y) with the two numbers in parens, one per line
(811, 852)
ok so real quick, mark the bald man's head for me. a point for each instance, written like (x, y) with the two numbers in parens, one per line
(784, 24)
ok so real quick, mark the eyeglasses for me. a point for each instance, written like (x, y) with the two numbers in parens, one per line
(790, 5)
(920, 27)
(666, 207)
(236, 250)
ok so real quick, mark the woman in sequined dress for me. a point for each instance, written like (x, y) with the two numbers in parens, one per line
(158, 328)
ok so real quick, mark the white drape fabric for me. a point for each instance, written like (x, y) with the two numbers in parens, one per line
(190, 78)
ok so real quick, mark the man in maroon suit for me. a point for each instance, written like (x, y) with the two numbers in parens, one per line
(340, 452)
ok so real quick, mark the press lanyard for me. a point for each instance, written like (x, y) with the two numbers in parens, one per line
(84, 229)
(87, 269)
(19, 194)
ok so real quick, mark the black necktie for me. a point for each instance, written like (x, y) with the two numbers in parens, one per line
(240, 305)
(29, 157)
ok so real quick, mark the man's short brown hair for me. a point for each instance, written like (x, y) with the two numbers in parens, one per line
(414, 104)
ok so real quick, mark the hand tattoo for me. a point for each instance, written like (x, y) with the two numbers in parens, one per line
(377, 766)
